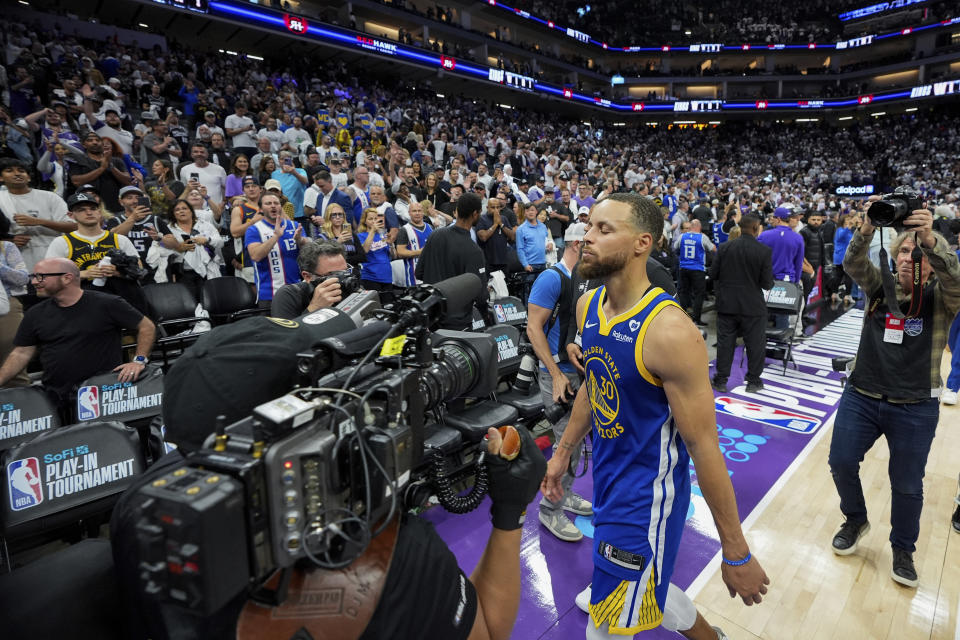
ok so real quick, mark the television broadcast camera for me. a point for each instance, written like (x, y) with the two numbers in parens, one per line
(893, 208)
(313, 476)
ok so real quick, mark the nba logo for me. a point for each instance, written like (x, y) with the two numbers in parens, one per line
(88, 403)
(498, 311)
(23, 478)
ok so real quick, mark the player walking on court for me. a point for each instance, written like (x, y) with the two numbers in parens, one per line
(648, 398)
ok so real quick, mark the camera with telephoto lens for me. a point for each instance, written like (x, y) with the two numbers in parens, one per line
(127, 266)
(311, 477)
(349, 282)
(529, 365)
(893, 208)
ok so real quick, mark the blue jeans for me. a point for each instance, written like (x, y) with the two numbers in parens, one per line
(953, 380)
(909, 430)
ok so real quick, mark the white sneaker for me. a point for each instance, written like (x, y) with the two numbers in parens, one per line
(720, 634)
(557, 523)
(577, 504)
(948, 397)
(583, 600)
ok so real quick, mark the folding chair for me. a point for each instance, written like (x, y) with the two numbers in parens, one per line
(784, 299)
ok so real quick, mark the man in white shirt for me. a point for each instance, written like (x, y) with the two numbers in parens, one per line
(483, 176)
(271, 133)
(110, 127)
(36, 216)
(294, 136)
(202, 171)
(374, 179)
(210, 124)
(337, 177)
(327, 151)
(240, 128)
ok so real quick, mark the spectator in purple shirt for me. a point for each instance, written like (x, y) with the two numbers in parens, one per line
(786, 244)
(584, 197)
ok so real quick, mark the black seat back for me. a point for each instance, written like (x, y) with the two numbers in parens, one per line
(509, 310)
(507, 338)
(103, 397)
(25, 412)
(169, 301)
(224, 297)
(477, 323)
(784, 298)
(65, 475)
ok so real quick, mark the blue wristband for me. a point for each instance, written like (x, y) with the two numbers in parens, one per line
(737, 563)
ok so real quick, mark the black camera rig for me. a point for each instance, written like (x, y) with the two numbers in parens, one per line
(313, 476)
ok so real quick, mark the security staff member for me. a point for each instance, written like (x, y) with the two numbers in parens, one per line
(895, 385)
(740, 272)
(814, 254)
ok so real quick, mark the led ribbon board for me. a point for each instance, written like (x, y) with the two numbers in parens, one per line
(301, 27)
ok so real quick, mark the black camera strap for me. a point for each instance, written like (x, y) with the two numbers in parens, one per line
(890, 284)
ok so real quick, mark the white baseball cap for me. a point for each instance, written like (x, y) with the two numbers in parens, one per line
(575, 232)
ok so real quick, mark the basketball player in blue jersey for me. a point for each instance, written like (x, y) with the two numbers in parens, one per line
(648, 399)
(273, 244)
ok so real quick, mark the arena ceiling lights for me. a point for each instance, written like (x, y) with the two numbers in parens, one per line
(716, 47)
(305, 28)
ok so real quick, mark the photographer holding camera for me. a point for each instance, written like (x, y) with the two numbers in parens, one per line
(325, 272)
(894, 388)
(550, 308)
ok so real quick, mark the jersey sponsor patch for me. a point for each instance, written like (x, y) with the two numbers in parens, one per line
(88, 403)
(23, 480)
(769, 416)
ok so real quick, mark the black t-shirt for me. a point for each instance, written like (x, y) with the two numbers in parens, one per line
(496, 248)
(106, 185)
(555, 225)
(704, 214)
(424, 577)
(451, 252)
(138, 234)
(291, 300)
(78, 341)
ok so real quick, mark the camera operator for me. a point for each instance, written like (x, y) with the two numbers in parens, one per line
(550, 308)
(895, 385)
(320, 261)
(425, 594)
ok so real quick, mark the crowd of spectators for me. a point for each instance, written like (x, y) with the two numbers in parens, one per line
(651, 23)
(650, 26)
(179, 145)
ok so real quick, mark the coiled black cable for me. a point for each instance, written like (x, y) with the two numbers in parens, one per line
(447, 495)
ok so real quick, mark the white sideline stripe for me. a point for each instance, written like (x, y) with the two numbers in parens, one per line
(701, 580)
(714, 564)
(956, 635)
